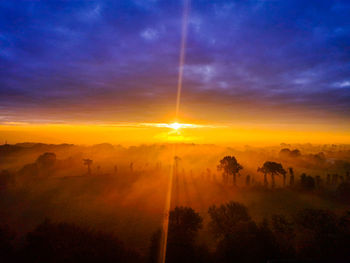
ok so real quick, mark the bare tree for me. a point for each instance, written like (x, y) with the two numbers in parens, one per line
(291, 178)
(88, 163)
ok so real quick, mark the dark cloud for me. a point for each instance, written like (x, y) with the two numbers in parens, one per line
(118, 59)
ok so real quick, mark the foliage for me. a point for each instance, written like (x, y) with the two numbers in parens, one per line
(46, 160)
(225, 218)
(184, 224)
(343, 192)
(273, 169)
(230, 166)
(307, 182)
(64, 242)
(287, 153)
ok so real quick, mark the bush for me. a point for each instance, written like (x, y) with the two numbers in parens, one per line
(63, 242)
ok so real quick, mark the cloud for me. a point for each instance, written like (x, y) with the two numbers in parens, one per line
(72, 60)
(149, 34)
(342, 84)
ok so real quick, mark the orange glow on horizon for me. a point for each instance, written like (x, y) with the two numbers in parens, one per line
(145, 133)
(175, 125)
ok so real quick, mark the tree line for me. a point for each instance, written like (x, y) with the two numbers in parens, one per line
(230, 168)
(310, 235)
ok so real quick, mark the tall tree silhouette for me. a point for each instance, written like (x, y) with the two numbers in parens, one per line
(225, 218)
(307, 182)
(239, 238)
(291, 176)
(155, 246)
(184, 224)
(229, 166)
(88, 163)
(273, 169)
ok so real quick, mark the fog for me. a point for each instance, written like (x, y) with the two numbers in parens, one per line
(124, 191)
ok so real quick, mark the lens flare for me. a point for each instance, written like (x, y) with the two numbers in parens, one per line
(175, 125)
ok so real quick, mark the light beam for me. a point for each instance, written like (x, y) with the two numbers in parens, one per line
(164, 240)
(182, 55)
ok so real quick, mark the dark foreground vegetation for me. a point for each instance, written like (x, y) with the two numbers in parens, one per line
(66, 203)
(311, 235)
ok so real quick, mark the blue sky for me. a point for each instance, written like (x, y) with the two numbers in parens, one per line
(105, 61)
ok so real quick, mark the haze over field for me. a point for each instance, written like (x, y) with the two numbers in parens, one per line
(267, 71)
(123, 192)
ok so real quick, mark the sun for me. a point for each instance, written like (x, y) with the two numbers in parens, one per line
(175, 125)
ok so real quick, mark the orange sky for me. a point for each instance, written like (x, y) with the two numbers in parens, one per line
(138, 133)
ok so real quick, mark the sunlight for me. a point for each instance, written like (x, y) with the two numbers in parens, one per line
(175, 125)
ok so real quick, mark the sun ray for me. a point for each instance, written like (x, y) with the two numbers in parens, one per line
(175, 126)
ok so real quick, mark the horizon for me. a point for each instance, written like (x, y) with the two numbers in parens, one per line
(137, 134)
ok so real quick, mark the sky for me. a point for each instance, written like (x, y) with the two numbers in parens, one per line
(249, 65)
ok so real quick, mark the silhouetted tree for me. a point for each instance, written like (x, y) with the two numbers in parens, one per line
(291, 176)
(295, 153)
(7, 252)
(225, 218)
(343, 192)
(273, 169)
(247, 180)
(318, 234)
(28, 172)
(6, 178)
(307, 182)
(232, 227)
(334, 179)
(284, 175)
(283, 230)
(154, 250)
(285, 152)
(319, 158)
(88, 163)
(318, 181)
(63, 242)
(238, 237)
(229, 166)
(184, 224)
(266, 247)
(46, 162)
